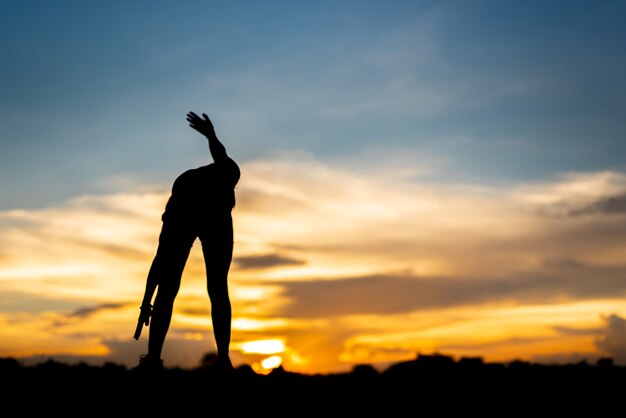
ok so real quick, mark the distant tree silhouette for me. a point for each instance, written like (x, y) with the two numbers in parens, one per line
(405, 387)
(605, 362)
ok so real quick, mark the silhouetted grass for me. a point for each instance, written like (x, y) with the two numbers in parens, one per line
(434, 381)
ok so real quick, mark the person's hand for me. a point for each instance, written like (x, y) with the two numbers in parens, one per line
(145, 314)
(204, 126)
(144, 319)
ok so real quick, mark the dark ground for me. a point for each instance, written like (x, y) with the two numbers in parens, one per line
(431, 385)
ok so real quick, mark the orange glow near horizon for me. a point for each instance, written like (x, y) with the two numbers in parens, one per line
(262, 347)
(499, 273)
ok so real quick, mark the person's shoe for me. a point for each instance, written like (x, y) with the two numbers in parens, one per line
(224, 365)
(148, 363)
(223, 369)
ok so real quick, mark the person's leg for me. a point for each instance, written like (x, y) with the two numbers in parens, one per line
(217, 247)
(167, 266)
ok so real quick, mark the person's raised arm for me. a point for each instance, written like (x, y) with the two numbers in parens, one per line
(205, 127)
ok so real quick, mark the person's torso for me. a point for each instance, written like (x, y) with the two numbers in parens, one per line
(202, 194)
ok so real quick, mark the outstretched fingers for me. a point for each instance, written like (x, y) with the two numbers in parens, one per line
(195, 121)
(192, 117)
(202, 125)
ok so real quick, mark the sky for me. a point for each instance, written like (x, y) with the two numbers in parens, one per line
(417, 177)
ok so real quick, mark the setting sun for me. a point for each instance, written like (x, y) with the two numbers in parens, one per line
(262, 347)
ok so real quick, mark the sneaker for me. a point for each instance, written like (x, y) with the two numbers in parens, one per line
(148, 363)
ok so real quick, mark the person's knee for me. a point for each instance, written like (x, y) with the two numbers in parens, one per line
(218, 295)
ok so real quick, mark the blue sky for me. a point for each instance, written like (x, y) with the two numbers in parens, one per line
(94, 94)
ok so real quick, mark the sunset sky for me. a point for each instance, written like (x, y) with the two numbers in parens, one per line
(417, 177)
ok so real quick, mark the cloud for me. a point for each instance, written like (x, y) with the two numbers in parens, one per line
(265, 261)
(92, 310)
(196, 311)
(613, 342)
(85, 313)
(610, 205)
(565, 330)
(319, 243)
(392, 293)
(514, 341)
(32, 302)
(341, 218)
(577, 194)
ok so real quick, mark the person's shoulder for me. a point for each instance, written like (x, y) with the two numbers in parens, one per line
(187, 173)
(226, 164)
(192, 175)
(200, 169)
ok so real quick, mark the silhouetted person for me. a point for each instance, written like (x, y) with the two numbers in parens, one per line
(200, 206)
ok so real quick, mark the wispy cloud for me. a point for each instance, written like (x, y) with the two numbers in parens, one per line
(565, 330)
(610, 205)
(264, 261)
(92, 310)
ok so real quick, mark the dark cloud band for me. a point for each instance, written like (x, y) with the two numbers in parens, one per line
(395, 294)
